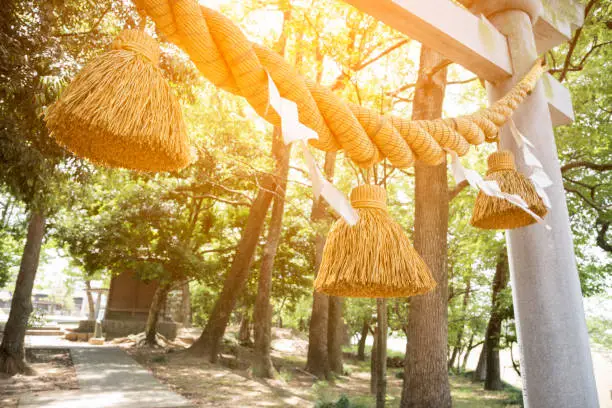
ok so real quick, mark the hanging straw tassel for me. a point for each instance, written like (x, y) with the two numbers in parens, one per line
(496, 213)
(373, 258)
(120, 112)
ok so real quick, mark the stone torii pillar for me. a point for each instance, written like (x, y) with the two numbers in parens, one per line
(556, 365)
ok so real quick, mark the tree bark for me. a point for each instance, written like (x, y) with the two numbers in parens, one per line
(381, 353)
(186, 304)
(244, 332)
(335, 334)
(500, 281)
(365, 329)
(317, 362)
(12, 349)
(154, 310)
(91, 310)
(468, 350)
(481, 369)
(210, 340)
(262, 314)
(459, 339)
(426, 374)
(374, 362)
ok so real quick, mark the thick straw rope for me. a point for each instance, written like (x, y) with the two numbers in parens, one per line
(229, 60)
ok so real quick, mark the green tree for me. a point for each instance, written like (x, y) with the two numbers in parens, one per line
(585, 147)
(29, 159)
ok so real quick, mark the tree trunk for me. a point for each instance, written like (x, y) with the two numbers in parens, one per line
(459, 339)
(186, 304)
(317, 362)
(244, 332)
(381, 353)
(12, 350)
(426, 373)
(262, 314)
(500, 281)
(365, 329)
(91, 310)
(374, 362)
(154, 310)
(481, 368)
(468, 350)
(210, 340)
(335, 334)
(454, 354)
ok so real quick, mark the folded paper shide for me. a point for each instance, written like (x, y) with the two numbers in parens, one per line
(491, 212)
(374, 257)
(119, 111)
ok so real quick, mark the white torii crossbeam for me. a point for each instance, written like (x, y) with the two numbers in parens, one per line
(470, 41)
(499, 40)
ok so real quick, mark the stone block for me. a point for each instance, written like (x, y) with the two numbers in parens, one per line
(97, 341)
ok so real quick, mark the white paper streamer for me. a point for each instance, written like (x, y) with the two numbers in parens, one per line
(293, 130)
(538, 176)
(488, 187)
(291, 127)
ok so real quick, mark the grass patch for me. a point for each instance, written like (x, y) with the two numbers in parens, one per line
(469, 394)
(465, 392)
(352, 349)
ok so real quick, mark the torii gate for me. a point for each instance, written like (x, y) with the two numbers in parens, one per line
(555, 356)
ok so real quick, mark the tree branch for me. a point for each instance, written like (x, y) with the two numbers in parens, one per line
(458, 188)
(463, 81)
(92, 29)
(412, 85)
(586, 200)
(586, 164)
(372, 60)
(224, 200)
(226, 249)
(602, 242)
(574, 41)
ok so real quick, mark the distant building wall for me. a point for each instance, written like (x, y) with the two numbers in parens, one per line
(129, 298)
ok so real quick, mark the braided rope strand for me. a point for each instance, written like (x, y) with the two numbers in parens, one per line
(229, 60)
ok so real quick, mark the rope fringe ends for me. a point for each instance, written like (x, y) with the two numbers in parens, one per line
(120, 112)
(496, 213)
(373, 258)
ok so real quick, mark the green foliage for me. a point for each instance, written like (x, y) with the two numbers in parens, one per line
(202, 301)
(600, 332)
(33, 167)
(343, 402)
(185, 225)
(9, 257)
(585, 147)
(37, 318)
(357, 311)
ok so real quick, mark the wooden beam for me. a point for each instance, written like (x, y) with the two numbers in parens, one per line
(556, 23)
(449, 29)
(474, 43)
(559, 101)
(550, 32)
(570, 12)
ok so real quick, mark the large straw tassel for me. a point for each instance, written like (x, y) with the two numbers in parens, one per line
(373, 258)
(120, 112)
(496, 213)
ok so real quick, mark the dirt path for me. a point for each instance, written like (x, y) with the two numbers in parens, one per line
(107, 378)
(54, 371)
(230, 383)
